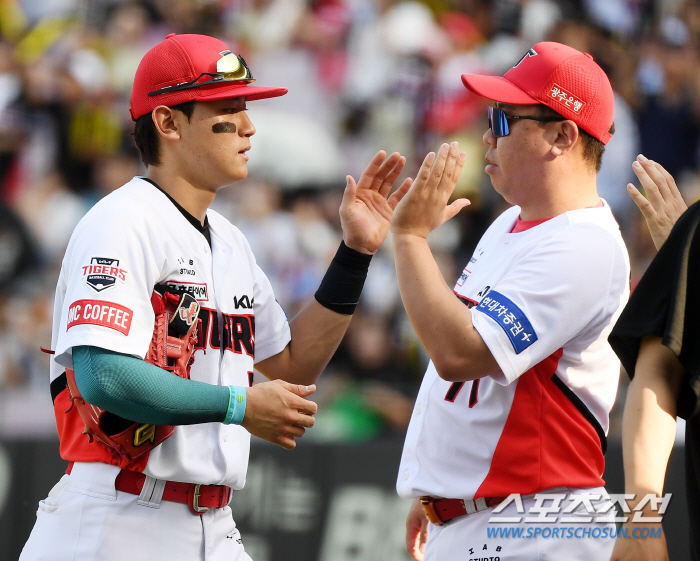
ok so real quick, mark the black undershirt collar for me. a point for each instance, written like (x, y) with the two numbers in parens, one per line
(204, 230)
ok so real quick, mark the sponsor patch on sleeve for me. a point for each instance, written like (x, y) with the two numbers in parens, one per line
(99, 312)
(511, 319)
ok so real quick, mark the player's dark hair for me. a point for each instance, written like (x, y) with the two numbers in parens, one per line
(146, 136)
(592, 147)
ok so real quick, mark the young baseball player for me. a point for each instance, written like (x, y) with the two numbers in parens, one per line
(152, 253)
(521, 379)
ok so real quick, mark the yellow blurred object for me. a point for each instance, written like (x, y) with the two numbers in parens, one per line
(44, 34)
(12, 20)
(94, 131)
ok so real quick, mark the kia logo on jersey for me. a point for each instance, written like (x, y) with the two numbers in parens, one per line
(243, 302)
(102, 273)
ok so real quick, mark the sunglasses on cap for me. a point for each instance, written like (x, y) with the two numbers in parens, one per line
(229, 68)
(498, 121)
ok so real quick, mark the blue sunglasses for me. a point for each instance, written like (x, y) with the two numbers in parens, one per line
(498, 121)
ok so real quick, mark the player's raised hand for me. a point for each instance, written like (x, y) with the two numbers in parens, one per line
(277, 412)
(663, 204)
(416, 531)
(425, 206)
(366, 210)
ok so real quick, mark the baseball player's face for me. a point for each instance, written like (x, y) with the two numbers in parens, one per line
(514, 162)
(218, 139)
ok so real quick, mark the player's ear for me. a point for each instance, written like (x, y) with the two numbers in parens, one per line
(562, 135)
(166, 122)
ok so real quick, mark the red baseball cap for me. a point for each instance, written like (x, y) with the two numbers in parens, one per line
(179, 69)
(557, 76)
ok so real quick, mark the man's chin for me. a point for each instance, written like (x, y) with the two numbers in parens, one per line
(495, 183)
(237, 175)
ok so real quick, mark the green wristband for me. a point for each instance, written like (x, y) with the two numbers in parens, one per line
(236, 405)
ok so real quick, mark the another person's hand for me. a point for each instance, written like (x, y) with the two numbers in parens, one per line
(663, 203)
(365, 212)
(425, 206)
(277, 412)
(640, 549)
(416, 531)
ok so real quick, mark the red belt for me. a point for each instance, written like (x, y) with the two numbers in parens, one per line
(440, 511)
(199, 498)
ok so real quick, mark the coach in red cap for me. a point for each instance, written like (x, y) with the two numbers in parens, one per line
(504, 455)
(153, 456)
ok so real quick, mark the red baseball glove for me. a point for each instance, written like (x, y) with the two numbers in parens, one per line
(172, 348)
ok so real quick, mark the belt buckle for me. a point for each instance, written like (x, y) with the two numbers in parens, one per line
(428, 504)
(193, 501)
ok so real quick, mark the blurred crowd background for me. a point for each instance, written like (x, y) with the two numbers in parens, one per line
(363, 75)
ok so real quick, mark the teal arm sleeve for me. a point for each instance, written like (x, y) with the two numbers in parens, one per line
(141, 392)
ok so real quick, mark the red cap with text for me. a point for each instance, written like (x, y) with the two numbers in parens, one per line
(184, 58)
(557, 76)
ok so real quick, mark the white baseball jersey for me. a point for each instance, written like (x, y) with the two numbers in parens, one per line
(128, 242)
(544, 301)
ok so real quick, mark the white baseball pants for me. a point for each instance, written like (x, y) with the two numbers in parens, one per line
(85, 518)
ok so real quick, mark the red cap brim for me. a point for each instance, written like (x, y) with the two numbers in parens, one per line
(497, 88)
(249, 92)
(206, 94)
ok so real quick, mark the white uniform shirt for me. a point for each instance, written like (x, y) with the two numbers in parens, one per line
(545, 300)
(127, 243)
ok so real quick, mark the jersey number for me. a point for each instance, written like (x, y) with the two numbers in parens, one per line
(455, 388)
